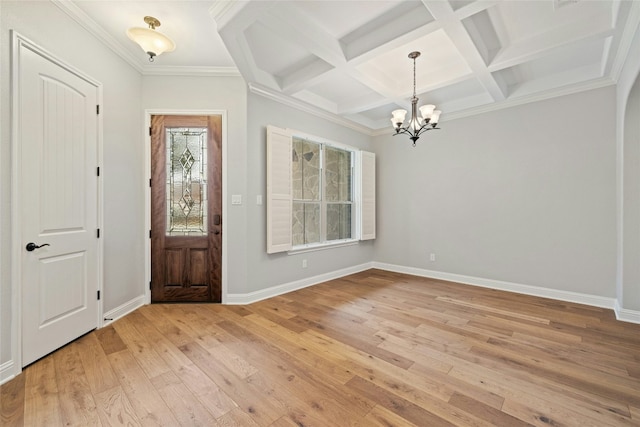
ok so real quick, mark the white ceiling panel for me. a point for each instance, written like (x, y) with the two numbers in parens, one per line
(438, 63)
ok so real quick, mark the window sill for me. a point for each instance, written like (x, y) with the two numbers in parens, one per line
(322, 246)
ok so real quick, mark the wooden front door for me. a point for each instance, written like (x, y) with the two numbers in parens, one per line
(186, 208)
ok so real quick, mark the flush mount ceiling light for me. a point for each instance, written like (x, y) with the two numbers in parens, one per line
(428, 119)
(153, 42)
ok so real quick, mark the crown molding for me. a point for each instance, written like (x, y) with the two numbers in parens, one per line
(535, 97)
(308, 108)
(222, 11)
(78, 15)
(631, 26)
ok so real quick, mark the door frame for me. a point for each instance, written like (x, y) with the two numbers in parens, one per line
(18, 42)
(147, 208)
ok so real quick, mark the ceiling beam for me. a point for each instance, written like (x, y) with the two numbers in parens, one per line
(453, 27)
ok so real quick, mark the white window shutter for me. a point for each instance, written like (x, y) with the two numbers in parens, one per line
(368, 194)
(279, 190)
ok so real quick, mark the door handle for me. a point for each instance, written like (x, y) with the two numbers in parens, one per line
(32, 246)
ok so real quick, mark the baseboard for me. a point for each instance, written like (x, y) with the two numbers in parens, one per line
(626, 315)
(7, 372)
(251, 297)
(122, 310)
(593, 300)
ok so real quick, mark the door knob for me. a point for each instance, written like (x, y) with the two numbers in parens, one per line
(32, 246)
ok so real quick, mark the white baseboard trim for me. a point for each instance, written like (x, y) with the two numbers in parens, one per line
(626, 315)
(122, 310)
(251, 297)
(7, 372)
(537, 291)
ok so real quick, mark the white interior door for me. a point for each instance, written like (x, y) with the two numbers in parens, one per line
(57, 139)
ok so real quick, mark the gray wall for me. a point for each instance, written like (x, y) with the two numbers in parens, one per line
(48, 26)
(270, 270)
(628, 145)
(523, 195)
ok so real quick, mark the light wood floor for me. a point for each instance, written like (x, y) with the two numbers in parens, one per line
(372, 349)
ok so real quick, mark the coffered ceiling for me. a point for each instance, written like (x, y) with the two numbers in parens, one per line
(347, 60)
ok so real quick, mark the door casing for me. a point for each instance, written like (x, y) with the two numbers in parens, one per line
(20, 42)
(147, 171)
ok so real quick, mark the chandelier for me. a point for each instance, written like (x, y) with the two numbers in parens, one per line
(153, 42)
(428, 119)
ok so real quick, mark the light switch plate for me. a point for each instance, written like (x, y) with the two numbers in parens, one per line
(236, 199)
(259, 199)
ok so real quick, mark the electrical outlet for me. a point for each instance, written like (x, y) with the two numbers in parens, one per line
(304, 263)
(432, 257)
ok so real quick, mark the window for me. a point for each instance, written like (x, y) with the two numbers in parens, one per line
(318, 193)
(322, 192)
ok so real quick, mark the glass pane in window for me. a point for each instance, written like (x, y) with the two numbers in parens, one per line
(306, 223)
(296, 168)
(338, 221)
(337, 175)
(186, 181)
(306, 170)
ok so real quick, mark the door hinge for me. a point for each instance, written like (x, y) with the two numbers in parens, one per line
(149, 130)
(149, 182)
(149, 233)
(98, 171)
(98, 295)
(149, 285)
(98, 233)
(98, 109)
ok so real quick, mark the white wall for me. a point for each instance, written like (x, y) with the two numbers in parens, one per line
(628, 146)
(266, 270)
(214, 93)
(123, 232)
(523, 195)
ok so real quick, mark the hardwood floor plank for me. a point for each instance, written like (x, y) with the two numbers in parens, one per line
(12, 402)
(76, 400)
(145, 400)
(484, 412)
(185, 406)
(170, 354)
(522, 389)
(262, 406)
(237, 418)
(405, 409)
(97, 369)
(285, 421)
(566, 373)
(115, 409)
(382, 417)
(372, 349)
(42, 403)
(143, 350)
(313, 399)
(110, 340)
(216, 401)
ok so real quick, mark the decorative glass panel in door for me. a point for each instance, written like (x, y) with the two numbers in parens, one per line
(186, 181)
